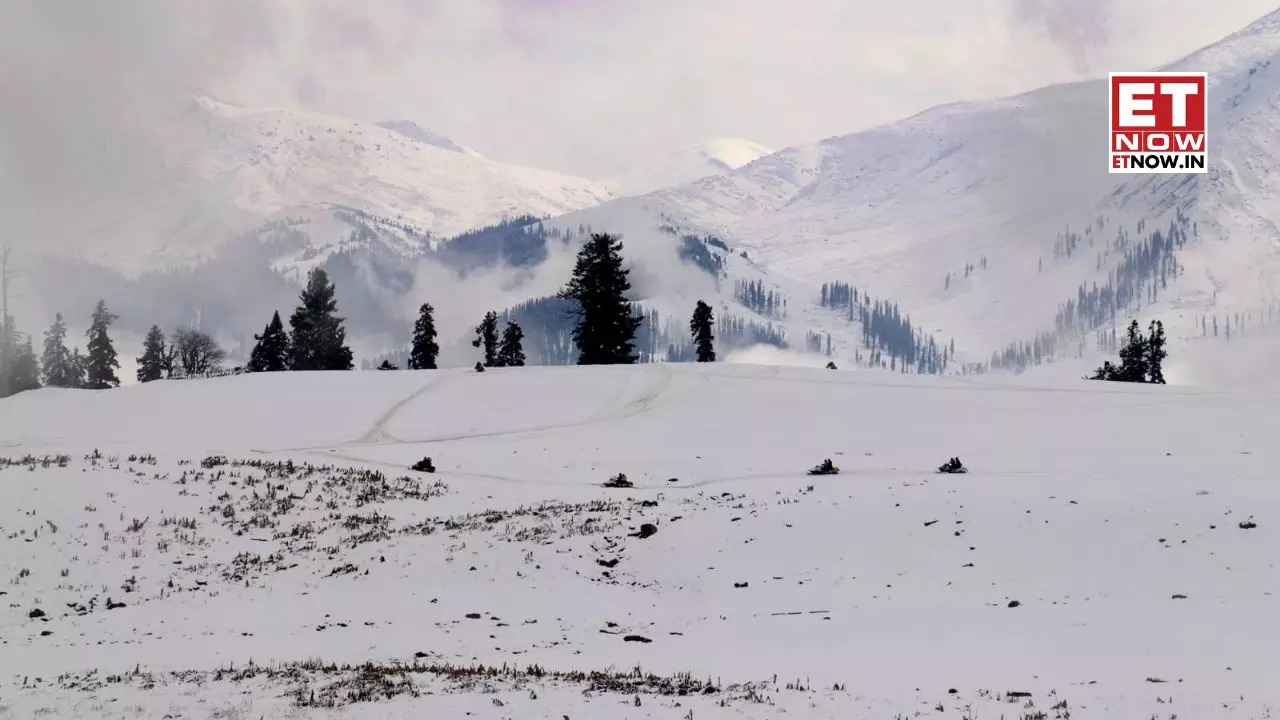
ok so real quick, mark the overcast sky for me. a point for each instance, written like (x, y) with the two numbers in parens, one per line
(582, 86)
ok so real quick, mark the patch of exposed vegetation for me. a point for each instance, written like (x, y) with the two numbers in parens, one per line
(320, 684)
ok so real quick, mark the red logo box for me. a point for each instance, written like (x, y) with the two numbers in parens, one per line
(1159, 122)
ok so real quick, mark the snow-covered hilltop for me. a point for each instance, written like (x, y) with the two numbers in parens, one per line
(252, 165)
(414, 131)
(714, 157)
(983, 219)
(274, 161)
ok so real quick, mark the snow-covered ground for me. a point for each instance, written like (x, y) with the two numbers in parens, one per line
(256, 546)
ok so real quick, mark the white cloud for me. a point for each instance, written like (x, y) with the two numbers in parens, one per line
(591, 87)
(586, 86)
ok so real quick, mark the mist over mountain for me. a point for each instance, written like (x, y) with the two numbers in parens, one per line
(988, 228)
(693, 162)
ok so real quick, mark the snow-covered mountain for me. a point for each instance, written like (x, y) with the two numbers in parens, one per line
(414, 131)
(247, 166)
(993, 226)
(714, 157)
(983, 219)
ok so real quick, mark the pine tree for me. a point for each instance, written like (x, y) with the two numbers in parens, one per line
(271, 351)
(1141, 358)
(79, 368)
(319, 339)
(487, 335)
(606, 328)
(511, 350)
(102, 362)
(701, 328)
(8, 336)
(24, 369)
(151, 364)
(425, 349)
(1133, 364)
(58, 370)
(1155, 353)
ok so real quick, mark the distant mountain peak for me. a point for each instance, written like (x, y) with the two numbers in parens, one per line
(414, 131)
(692, 162)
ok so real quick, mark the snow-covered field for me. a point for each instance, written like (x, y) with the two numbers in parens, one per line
(256, 547)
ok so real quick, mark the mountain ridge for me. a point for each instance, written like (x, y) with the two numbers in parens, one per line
(982, 221)
(686, 164)
(960, 209)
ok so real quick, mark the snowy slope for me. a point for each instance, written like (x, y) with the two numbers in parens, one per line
(250, 165)
(414, 131)
(1109, 572)
(714, 157)
(896, 209)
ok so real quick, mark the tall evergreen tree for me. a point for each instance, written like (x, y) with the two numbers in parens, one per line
(151, 363)
(1133, 361)
(487, 335)
(511, 351)
(701, 328)
(271, 352)
(425, 349)
(606, 328)
(79, 368)
(101, 363)
(57, 367)
(319, 338)
(8, 342)
(20, 370)
(1155, 352)
(24, 368)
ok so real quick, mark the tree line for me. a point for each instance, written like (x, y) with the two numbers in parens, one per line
(57, 366)
(1143, 271)
(754, 295)
(596, 294)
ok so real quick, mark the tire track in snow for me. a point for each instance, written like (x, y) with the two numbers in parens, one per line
(378, 434)
(645, 401)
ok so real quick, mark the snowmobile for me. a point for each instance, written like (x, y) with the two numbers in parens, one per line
(952, 466)
(825, 468)
(619, 481)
